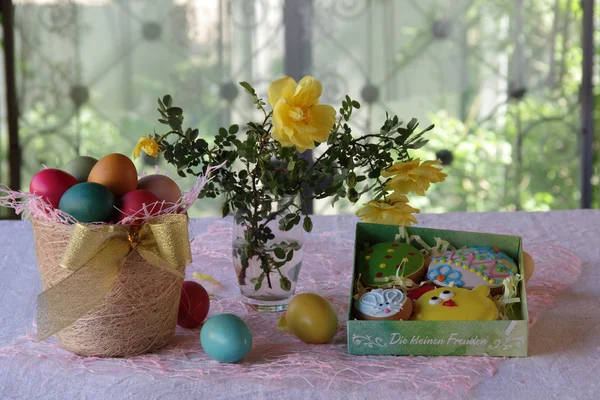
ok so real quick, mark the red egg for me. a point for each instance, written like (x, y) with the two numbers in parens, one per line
(133, 202)
(51, 184)
(193, 306)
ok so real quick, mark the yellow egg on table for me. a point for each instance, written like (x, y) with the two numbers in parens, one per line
(161, 186)
(311, 318)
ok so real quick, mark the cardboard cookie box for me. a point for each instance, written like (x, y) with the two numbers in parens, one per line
(502, 338)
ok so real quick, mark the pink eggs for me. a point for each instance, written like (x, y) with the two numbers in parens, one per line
(193, 306)
(133, 202)
(162, 187)
(51, 184)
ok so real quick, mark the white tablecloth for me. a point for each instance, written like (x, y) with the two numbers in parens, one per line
(564, 344)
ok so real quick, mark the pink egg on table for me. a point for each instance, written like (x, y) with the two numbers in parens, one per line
(51, 184)
(133, 202)
(193, 306)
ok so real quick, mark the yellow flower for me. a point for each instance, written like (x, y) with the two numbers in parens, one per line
(149, 145)
(412, 176)
(298, 118)
(394, 211)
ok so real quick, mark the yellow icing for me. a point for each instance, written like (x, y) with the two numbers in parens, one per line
(458, 263)
(367, 257)
(472, 270)
(471, 305)
(382, 265)
(480, 273)
(465, 267)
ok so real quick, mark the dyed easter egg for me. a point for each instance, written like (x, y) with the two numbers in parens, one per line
(116, 172)
(226, 338)
(311, 318)
(80, 167)
(528, 267)
(162, 187)
(88, 202)
(133, 202)
(193, 306)
(51, 184)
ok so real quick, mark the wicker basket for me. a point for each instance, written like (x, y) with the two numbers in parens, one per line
(138, 315)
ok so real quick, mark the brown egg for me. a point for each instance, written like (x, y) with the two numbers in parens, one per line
(161, 186)
(116, 172)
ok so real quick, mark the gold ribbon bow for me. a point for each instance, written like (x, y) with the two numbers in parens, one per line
(395, 281)
(96, 255)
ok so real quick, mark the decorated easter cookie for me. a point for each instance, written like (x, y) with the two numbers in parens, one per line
(383, 304)
(471, 267)
(386, 263)
(455, 304)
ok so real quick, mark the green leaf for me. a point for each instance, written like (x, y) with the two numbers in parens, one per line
(233, 129)
(279, 253)
(223, 132)
(248, 88)
(225, 209)
(174, 111)
(412, 124)
(351, 179)
(285, 283)
(420, 144)
(290, 255)
(355, 104)
(307, 225)
(167, 100)
(353, 195)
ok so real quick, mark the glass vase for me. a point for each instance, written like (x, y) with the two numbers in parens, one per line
(266, 255)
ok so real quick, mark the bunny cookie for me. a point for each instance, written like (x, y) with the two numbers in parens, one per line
(383, 305)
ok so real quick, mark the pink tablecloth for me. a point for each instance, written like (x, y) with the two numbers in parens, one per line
(278, 363)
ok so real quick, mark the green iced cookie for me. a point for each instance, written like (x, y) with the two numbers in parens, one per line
(383, 261)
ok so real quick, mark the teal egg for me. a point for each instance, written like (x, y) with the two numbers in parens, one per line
(88, 202)
(80, 167)
(226, 338)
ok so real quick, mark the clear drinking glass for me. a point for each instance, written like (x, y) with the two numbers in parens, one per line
(266, 279)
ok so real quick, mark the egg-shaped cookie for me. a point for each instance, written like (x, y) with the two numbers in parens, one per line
(471, 267)
(382, 263)
(383, 305)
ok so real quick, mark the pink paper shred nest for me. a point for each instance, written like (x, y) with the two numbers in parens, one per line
(285, 361)
(29, 205)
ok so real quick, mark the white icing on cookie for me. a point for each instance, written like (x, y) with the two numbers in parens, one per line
(471, 267)
(381, 303)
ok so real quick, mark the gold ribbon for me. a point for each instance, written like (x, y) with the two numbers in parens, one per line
(96, 254)
(394, 281)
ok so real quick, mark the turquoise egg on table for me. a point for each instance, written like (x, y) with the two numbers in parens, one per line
(226, 338)
(80, 167)
(88, 202)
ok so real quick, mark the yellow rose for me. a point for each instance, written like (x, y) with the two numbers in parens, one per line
(412, 176)
(148, 145)
(394, 211)
(298, 118)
